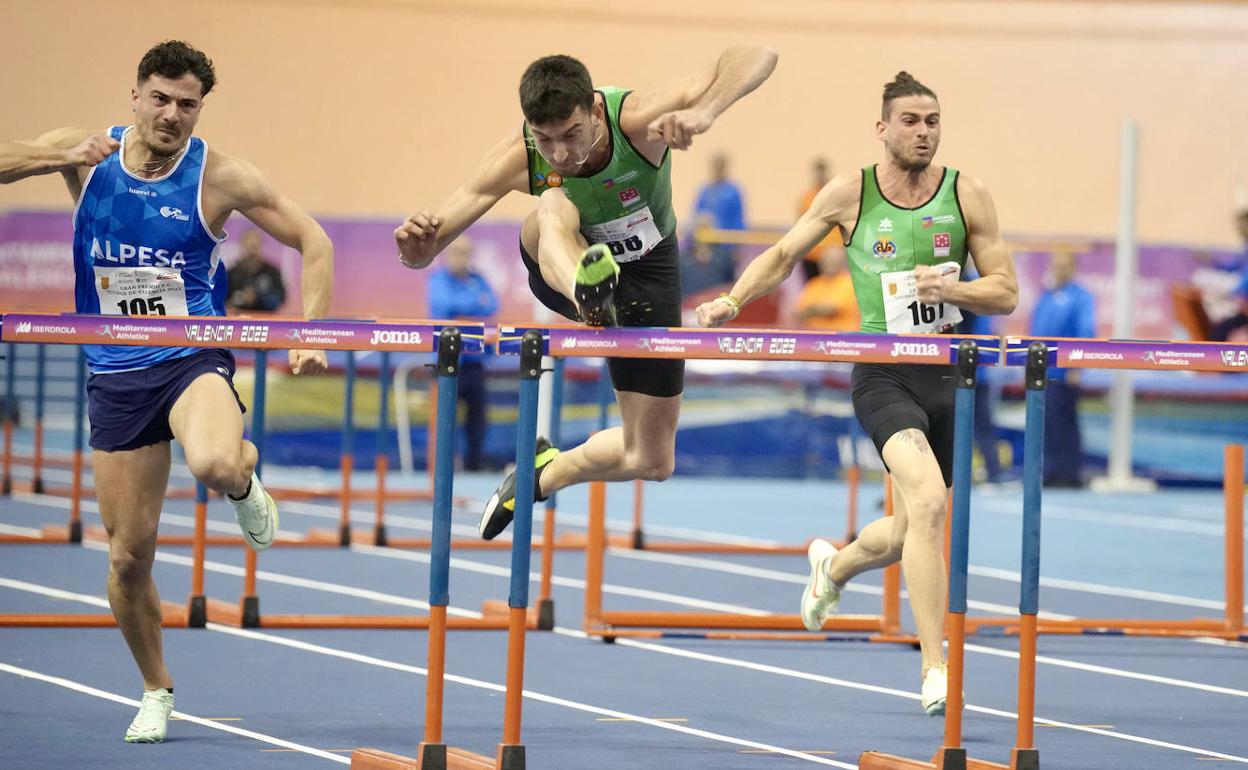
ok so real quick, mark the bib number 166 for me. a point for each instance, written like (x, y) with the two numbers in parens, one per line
(629, 244)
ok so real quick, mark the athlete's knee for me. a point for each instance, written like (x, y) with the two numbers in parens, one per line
(554, 208)
(926, 512)
(130, 565)
(651, 465)
(216, 469)
(896, 540)
(529, 232)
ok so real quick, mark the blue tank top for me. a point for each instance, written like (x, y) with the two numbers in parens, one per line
(142, 247)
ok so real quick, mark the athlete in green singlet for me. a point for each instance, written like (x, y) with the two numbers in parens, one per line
(911, 225)
(601, 245)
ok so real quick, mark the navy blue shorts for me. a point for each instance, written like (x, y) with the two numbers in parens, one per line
(129, 410)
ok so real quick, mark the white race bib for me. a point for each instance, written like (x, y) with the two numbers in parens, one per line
(906, 314)
(630, 237)
(140, 291)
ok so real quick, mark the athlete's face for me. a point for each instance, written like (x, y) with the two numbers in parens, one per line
(166, 110)
(568, 144)
(912, 132)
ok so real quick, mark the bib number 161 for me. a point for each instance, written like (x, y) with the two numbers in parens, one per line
(922, 313)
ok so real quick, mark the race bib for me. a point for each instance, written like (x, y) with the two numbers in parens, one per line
(140, 291)
(906, 314)
(630, 237)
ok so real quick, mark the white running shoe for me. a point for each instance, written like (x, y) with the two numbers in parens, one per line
(152, 721)
(257, 516)
(821, 597)
(935, 690)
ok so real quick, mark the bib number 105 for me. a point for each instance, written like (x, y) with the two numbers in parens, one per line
(153, 305)
(922, 313)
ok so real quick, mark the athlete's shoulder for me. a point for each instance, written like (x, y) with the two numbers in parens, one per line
(970, 185)
(221, 168)
(233, 181)
(842, 192)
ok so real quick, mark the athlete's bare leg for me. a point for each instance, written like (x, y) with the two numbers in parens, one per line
(915, 535)
(208, 424)
(130, 490)
(644, 447)
(552, 236)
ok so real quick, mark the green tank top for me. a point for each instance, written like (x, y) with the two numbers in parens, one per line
(628, 204)
(888, 239)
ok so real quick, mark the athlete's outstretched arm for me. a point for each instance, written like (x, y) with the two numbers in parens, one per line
(423, 235)
(671, 116)
(255, 197)
(769, 269)
(995, 292)
(64, 150)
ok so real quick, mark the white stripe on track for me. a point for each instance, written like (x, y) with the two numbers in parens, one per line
(69, 684)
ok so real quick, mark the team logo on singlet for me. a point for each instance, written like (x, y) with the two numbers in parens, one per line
(629, 197)
(884, 248)
(104, 282)
(552, 179)
(942, 219)
(941, 244)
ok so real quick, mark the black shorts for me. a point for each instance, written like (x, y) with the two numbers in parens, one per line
(889, 398)
(129, 410)
(648, 295)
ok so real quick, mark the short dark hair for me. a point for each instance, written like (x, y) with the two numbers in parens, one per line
(173, 59)
(903, 85)
(553, 87)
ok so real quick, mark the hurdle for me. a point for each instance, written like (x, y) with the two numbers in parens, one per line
(51, 534)
(1156, 356)
(433, 754)
(218, 332)
(639, 540)
(951, 755)
(564, 341)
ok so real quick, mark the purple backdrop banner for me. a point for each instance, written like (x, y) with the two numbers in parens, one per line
(36, 273)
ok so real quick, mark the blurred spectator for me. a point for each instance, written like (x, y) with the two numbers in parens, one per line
(457, 292)
(827, 301)
(1065, 309)
(719, 206)
(820, 173)
(254, 284)
(1238, 319)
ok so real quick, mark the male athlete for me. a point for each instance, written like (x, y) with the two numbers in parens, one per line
(911, 224)
(152, 201)
(601, 245)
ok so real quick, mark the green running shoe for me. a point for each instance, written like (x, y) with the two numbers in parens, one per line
(502, 504)
(596, 278)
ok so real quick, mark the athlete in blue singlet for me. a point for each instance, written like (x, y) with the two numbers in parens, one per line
(152, 201)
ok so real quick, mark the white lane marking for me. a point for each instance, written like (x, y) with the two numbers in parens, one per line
(1074, 664)
(69, 684)
(406, 668)
(717, 659)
